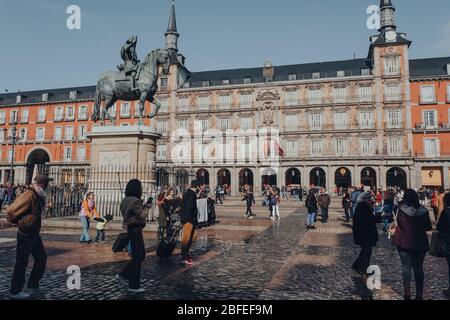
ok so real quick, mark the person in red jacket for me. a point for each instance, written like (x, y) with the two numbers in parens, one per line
(411, 240)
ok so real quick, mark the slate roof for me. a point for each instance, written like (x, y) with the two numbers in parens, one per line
(418, 68)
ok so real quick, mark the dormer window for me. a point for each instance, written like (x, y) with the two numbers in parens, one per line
(340, 73)
(44, 97)
(205, 84)
(186, 85)
(73, 95)
(448, 68)
(247, 80)
(18, 99)
(226, 82)
(316, 75)
(292, 77)
(365, 71)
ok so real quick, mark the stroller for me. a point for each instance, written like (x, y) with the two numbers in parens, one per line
(168, 244)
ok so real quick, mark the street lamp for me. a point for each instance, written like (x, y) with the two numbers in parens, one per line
(13, 139)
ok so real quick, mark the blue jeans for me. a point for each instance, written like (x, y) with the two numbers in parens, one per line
(311, 218)
(85, 233)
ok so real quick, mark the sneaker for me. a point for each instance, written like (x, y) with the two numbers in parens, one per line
(272, 218)
(188, 262)
(103, 242)
(251, 217)
(312, 227)
(20, 296)
(140, 290)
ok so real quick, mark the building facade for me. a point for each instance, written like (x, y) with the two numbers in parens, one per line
(337, 124)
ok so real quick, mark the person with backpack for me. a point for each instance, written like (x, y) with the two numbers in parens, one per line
(26, 212)
(410, 237)
(311, 205)
(443, 227)
(365, 232)
(135, 214)
(189, 213)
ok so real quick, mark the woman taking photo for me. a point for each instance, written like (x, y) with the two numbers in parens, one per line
(87, 213)
(134, 214)
(411, 240)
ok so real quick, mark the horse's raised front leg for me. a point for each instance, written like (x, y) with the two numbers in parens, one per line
(142, 107)
(158, 106)
(109, 103)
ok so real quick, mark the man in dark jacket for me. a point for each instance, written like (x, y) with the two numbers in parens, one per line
(188, 217)
(249, 200)
(365, 233)
(26, 212)
(324, 203)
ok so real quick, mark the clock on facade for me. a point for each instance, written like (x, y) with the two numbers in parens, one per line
(391, 36)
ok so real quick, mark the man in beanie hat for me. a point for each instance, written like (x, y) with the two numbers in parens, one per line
(26, 213)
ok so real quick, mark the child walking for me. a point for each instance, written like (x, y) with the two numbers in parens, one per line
(101, 226)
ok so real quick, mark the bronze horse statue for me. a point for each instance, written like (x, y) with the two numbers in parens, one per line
(114, 86)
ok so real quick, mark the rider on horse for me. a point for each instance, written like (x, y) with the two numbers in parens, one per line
(131, 62)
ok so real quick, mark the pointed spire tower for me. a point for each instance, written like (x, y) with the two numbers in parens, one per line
(172, 34)
(387, 16)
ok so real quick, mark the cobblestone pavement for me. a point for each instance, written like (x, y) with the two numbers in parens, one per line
(237, 259)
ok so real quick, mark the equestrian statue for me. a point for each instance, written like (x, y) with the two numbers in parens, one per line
(134, 81)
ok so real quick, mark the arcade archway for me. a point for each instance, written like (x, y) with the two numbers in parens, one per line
(317, 177)
(369, 178)
(396, 177)
(203, 176)
(223, 177)
(38, 157)
(246, 177)
(293, 177)
(343, 178)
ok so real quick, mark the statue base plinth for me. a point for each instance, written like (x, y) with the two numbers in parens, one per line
(123, 146)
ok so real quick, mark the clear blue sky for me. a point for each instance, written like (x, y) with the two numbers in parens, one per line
(39, 52)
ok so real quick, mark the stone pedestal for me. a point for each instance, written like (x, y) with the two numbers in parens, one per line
(123, 146)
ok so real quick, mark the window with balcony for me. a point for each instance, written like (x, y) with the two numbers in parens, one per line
(392, 66)
(367, 147)
(365, 93)
(59, 114)
(366, 120)
(40, 134)
(340, 120)
(291, 97)
(2, 136)
(81, 153)
(161, 152)
(10, 155)
(23, 134)
(13, 116)
(57, 135)
(82, 113)
(224, 124)
(427, 94)
(183, 124)
(316, 147)
(162, 127)
(164, 105)
(125, 110)
(448, 93)
(395, 146)
(430, 119)
(224, 102)
(431, 147)
(392, 92)
(82, 132)
(315, 121)
(203, 103)
(291, 149)
(341, 146)
(246, 123)
(24, 116)
(183, 104)
(67, 154)
(246, 100)
(339, 95)
(70, 113)
(291, 122)
(164, 84)
(2, 117)
(315, 96)
(394, 119)
(69, 133)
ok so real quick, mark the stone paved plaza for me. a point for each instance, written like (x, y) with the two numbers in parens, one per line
(236, 259)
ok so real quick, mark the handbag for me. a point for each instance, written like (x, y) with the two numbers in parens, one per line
(435, 245)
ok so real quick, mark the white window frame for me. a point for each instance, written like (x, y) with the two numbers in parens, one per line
(315, 96)
(291, 97)
(341, 146)
(315, 121)
(395, 146)
(183, 124)
(68, 133)
(161, 152)
(427, 150)
(393, 92)
(83, 115)
(291, 148)
(24, 116)
(426, 122)
(340, 95)
(162, 127)
(82, 131)
(246, 123)
(367, 147)
(2, 117)
(183, 104)
(394, 119)
(427, 94)
(365, 93)
(292, 77)
(68, 155)
(81, 156)
(340, 73)
(125, 112)
(224, 102)
(40, 129)
(366, 120)
(68, 115)
(58, 135)
(246, 100)
(224, 124)
(316, 147)
(59, 113)
(24, 136)
(392, 66)
(291, 122)
(340, 120)
(164, 105)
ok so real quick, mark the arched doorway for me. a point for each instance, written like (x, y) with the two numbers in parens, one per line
(223, 177)
(203, 176)
(182, 178)
(396, 177)
(343, 178)
(246, 177)
(162, 178)
(40, 158)
(293, 177)
(369, 178)
(317, 177)
(268, 177)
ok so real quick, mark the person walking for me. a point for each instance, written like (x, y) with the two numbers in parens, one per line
(411, 240)
(135, 215)
(311, 205)
(443, 227)
(87, 213)
(26, 212)
(249, 201)
(102, 223)
(324, 203)
(347, 205)
(218, 195)
(275, 201)
(189, 213)
(365, 233)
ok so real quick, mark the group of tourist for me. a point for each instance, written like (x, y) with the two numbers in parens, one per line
(408, 224)
(10, 192)
(318, 198)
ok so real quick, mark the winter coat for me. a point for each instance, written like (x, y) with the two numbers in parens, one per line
(365, 232)
(444, 228)
(412, 227)
(189, 211)
(324, 200)
(311, 204)
(346, 202)
(134, 213)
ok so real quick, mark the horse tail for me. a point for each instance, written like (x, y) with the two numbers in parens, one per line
(97, 103)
